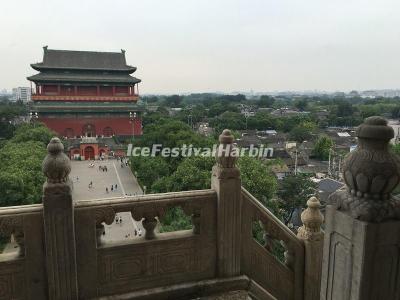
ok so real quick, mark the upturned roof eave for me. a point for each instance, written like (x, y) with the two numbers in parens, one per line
(35, 79)
(40, 66)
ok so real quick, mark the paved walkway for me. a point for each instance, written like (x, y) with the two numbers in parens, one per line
(81, 176)
(127, 185)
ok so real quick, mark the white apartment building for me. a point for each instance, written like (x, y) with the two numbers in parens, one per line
(21, 94)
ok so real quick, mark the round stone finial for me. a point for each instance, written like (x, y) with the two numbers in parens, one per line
(375, 128)
(56, 165)
(312, 215)
(312, 219)
(371, 172)
(55, 146)
(226, 151)
(226, 137)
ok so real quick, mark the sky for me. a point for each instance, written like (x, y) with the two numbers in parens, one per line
(182, 46)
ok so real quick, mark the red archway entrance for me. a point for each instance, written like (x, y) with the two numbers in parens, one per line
(89, 153)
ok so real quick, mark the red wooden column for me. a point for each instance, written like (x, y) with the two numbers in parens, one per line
(98, 90)
(75, 90)
(113, 90)
(58, 89)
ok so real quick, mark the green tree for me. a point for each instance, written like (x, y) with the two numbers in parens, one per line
(173, 101)
(149, 169)
(322, 147)
(266, 101)
(21, 176)
(303, 131)
(259, 181)
(193, 173)
(301, 104)
(33, 132)
(293, 192)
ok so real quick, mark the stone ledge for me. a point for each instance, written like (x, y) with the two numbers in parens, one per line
(221, 288)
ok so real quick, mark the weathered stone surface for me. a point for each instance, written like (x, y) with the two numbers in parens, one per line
(313, 237)
(361, 259)
(282, 281)
(59, 228)
(56, 165)
(234, 295)
(371, 172)
(226, 182)
(361, 247)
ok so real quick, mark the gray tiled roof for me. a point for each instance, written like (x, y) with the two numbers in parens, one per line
(83, 60)
(84, 77)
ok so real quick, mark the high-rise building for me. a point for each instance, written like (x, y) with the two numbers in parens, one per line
(21, 94)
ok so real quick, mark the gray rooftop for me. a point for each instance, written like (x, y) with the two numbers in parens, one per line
(84, 77)
(83, 60)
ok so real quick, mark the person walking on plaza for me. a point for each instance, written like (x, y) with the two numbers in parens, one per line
(116, 186)
(112, 188)
(107, 190)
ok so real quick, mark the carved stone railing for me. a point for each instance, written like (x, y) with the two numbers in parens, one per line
(281, 280)
(156, 259)
(22, 272)
(63, 255)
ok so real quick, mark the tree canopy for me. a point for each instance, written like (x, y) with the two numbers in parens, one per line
(322, 147)
(21, 157)
(293, 193)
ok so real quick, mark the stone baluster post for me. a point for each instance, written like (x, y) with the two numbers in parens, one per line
(226, 182)
(362, 235)
(59, 227)
(313, 239)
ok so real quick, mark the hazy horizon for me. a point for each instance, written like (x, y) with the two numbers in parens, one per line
(182, 46)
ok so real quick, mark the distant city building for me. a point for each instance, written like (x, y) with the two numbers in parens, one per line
(380, 93)
(21, 94)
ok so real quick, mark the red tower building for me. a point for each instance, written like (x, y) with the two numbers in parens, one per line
(85, 93)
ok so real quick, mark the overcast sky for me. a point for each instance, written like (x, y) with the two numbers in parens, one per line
(183, 46)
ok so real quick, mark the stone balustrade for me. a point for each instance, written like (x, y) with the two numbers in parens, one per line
(62, 254)
(156, 259)
(282, 280)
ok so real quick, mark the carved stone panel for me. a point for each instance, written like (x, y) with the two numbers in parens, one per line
(361, 259)
(272, 275)
(12, 280)
(339, 263)
(155, 263)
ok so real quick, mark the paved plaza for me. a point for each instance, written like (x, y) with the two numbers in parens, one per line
(82, 173)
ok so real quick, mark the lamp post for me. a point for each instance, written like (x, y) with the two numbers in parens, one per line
(132, 117)
(33, 117)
